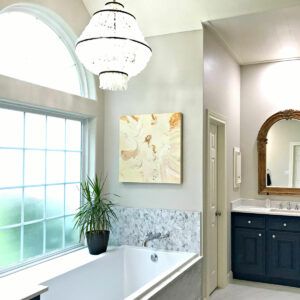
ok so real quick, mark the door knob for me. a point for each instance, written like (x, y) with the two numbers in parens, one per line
(218, 214)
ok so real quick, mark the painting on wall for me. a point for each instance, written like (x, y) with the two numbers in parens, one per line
(151, 148)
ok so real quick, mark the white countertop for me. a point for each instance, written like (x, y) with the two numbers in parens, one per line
(21, 291)
(28, 283)
(267, 207)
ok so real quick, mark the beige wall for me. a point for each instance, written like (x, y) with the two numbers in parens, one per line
(265, 90)
(72, 11)
(158, 17)
(172, 82)
(222, 96)
(280, 137)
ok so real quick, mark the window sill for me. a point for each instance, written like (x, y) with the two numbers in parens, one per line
(28, 283)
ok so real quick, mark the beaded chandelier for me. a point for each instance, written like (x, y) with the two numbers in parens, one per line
(113, 47)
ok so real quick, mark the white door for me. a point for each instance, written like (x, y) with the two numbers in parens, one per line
(212, 202)
(296, 183)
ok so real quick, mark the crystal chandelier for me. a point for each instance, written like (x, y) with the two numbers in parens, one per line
(113, 47)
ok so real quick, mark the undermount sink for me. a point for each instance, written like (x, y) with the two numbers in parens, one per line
(294, 211)
(271, 207)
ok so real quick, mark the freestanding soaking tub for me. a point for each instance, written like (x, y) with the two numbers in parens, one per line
(130, 273)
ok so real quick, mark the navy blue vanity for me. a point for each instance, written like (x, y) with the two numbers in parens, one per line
(266, 248)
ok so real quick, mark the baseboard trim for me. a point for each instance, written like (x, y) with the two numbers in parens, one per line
(229, 277)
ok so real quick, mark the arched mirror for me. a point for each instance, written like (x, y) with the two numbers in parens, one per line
(278, 146)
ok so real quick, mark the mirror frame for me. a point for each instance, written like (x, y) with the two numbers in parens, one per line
(262, 141)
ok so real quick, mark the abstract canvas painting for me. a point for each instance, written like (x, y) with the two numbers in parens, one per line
(151, 148)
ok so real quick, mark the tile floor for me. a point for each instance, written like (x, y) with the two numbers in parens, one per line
(244, 290)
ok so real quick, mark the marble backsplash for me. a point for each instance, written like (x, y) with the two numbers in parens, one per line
(134, 223)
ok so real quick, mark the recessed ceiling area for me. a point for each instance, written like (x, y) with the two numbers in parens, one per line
(262, 37)
(157, 17)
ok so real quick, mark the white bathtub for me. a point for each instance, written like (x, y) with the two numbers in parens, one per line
(123, 273)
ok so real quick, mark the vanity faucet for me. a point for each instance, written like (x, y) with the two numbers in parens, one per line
(154, 236)
(289, 206)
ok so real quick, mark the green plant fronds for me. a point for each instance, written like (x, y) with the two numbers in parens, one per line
(96, 213)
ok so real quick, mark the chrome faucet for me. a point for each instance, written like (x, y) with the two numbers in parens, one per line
(289, 206)
(154, 236)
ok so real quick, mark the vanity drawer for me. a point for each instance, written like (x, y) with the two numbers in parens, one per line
(283, 223)
(248, 220)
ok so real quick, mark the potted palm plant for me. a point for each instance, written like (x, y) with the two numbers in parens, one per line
(95, 215)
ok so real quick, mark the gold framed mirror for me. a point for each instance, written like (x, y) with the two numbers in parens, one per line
(278, 147)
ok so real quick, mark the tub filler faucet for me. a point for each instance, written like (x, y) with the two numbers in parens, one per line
(154, 236)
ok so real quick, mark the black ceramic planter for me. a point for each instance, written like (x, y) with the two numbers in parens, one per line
(97, 241)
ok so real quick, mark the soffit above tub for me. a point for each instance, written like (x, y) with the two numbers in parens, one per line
(263, 37)
(157, 17)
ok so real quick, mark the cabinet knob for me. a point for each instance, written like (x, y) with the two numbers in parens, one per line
(249, 222)
(284, 224)
(273, 236)
(259, 234)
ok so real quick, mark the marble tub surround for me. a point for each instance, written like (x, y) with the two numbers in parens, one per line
(187, 285)
(266, 206)
(134, 223)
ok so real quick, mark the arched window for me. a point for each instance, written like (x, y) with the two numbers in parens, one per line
(39, 47)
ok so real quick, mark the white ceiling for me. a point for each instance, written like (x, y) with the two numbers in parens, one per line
(269, 36)
(157, 17)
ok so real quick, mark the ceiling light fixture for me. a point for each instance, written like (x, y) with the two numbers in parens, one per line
(113, 47)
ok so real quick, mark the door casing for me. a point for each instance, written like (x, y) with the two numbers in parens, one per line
(212, 201)
(223, 231)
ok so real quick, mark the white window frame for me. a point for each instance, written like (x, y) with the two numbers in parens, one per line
(6, 104)
(67, 36)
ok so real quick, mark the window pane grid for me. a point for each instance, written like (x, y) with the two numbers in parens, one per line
(63, 231)
(45, 195)
(36, 221)
(39, 149)
(23, 181)
(37, 185)
(50, 243)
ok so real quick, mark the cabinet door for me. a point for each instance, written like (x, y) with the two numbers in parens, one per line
(248, 255)
(283, 255)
